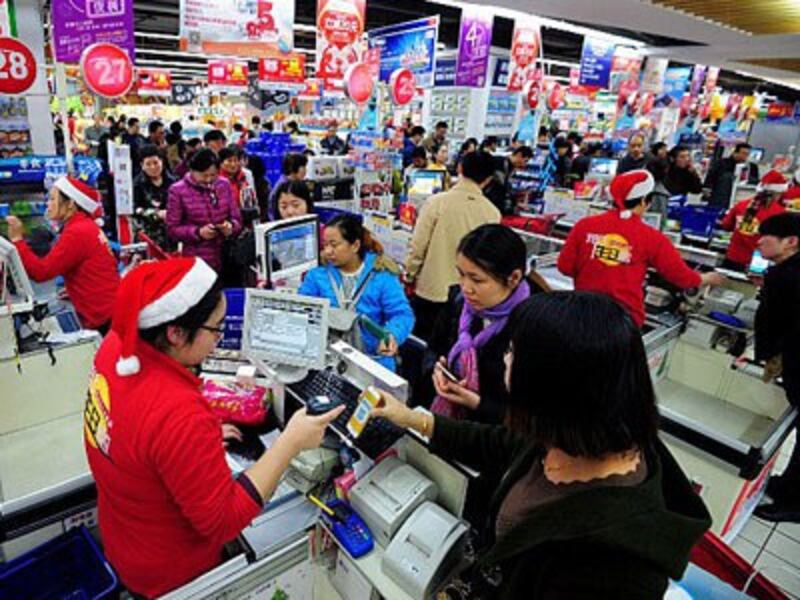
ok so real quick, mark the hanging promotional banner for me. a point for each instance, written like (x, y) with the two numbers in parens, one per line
(183, 94)
(403, 86)
(311, 91)
(282, 72)
(340, 25)
(698, 77)
(409, 45)
(359, 83)
(8, 26)
(625, 66)
(526, 45)
(532, 91)
(501, 72)
(154, 82)
(78, 24)
(676, 82)
(596, 58)
(256, 28)
(780, 111)
(474, 42)
(712, 76)
(107, 70)
(17, 66)
(653, 77)
(445, 74)
(228, 75)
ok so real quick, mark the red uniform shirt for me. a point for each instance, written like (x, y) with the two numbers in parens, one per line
(793, 193)
(610, 255)
(82, 256)
(744, 240)
(166, 499)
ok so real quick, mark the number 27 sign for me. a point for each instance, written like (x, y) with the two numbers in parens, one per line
(107, 70)
(17, 66)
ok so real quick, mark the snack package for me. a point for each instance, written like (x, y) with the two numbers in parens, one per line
(235, 403)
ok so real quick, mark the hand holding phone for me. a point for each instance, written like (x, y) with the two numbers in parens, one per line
(446, 372)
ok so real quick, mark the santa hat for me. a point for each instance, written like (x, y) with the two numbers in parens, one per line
(629, 186)
(83, 195)
(773, 181)
(155, 293)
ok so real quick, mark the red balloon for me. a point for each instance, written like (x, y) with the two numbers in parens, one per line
(359, 83)
(107, 70)
(17, 66)
(403, 86)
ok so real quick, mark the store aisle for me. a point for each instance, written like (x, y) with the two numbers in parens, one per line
(774, 548)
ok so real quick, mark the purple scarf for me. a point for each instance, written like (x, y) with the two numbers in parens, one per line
(498, 315)
(463, 357)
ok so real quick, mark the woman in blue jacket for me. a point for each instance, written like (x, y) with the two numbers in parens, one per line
(361, 282)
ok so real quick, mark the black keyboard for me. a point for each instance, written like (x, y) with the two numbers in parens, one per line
(379, 433)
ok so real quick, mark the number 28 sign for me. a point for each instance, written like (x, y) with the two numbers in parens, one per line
(107, 70)
(17, 66)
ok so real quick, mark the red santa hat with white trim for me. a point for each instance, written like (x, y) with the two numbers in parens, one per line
(84, 195)
(630, 186)
(155, 293)
(773, 181)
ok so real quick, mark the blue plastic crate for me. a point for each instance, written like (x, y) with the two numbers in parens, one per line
(699, 220)
(69, 566)
(234, 319)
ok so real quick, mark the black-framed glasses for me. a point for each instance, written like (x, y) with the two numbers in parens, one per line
(218, 331)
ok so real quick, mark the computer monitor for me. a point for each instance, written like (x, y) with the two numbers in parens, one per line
(605, 167)
(16, 290)
(286, 332)
(756, 155)
(287, 248)
(652, 219)
(758, 264)
(423, 183)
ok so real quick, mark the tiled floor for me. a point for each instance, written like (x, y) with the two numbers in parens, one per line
(773, 548)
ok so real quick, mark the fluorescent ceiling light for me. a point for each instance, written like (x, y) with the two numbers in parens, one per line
(512, 14)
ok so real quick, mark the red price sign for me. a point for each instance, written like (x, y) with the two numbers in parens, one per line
(532, 90)
(107, 70)
(359, 83)
(403, 85)
(17, 66)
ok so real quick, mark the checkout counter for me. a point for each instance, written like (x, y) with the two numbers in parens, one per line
(722, 423)
(45, 361)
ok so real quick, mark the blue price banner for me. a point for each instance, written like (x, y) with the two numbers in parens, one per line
(410, 45)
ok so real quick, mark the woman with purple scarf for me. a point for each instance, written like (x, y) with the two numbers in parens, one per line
(472, 332)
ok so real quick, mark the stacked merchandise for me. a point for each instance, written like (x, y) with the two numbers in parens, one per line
(15, 135)
(271, 148)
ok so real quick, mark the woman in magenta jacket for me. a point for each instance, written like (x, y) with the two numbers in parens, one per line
(201, 210)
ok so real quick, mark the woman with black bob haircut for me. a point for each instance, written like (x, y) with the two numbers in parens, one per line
(292, 199)
(587, 502)
(472, 334)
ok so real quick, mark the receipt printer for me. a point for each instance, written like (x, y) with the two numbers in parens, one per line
(426, 550)
(388, 494)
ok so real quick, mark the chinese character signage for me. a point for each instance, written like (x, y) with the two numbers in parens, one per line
(525, 48)
(596, 60)
(474, 43)
(282, 71)
(410, 46)
(254, 28)
(445, 74)
(154, 82)
(676, 82)
(340, 24)
(228, 75)
(625, 66)
(78, 24)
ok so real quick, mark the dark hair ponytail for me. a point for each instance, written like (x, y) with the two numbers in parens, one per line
(353, 230)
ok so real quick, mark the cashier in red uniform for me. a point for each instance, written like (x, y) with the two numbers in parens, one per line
(81, 254)
(746, 216)
(610, 253)
(165, 495)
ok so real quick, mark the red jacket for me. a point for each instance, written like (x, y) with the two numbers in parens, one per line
(165, 496)
(82, 256)
(744, 240)
(608, 254)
